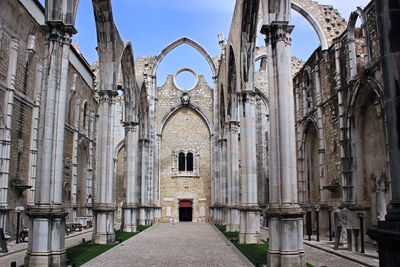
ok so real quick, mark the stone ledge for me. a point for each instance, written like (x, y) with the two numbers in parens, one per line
(104, 208)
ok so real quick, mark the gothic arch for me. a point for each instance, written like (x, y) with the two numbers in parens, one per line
(129, 82)
(143, 113)
(118, 148)
(175, 108)
(232, 87)
(178, 42)
(371, 83)
(311, 19)
(358, 13)
(314, 23)
(222, 111)
(263, 97)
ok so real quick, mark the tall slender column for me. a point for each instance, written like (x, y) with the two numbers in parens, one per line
(388, 232)
(6, 141)
(89, 197)
(214, 150)
(74, 182)
(104, 202)
(223, 175)
(144, 155)
(249, 211)
(233, 185)
(47, 218)
(285, 215)
(131, 173)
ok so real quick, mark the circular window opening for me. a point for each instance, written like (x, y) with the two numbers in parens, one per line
(185, 79)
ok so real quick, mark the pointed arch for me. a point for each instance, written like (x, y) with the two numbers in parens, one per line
(174, 109)
(314, 23)
(143, 113)
(178, 42)
(232, 84)
(130, 87)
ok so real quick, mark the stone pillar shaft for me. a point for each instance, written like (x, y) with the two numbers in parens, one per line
(104, 205)
(47, 218)
(250, 212)
(233, 175)
(286, 235)
(131, 174)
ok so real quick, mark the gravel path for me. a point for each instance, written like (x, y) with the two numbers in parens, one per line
(182, 244)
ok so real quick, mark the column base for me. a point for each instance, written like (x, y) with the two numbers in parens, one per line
(130, 218)
(388, 237)
(249, 229)
(286, 236)
(235, 220)
(46, 246)
(228, 220)
(103, 232)
(278, 260)
(4, 214)
(142, 216)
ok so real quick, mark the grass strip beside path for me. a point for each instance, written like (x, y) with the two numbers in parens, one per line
(83, 253)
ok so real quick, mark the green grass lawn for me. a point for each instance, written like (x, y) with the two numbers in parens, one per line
(83, 253)
(255, 253)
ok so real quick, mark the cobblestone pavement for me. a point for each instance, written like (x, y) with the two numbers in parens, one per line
(182, 244)
(17, 251)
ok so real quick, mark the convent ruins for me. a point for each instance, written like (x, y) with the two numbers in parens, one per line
(272, 136)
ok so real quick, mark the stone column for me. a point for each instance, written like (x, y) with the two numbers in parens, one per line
(47, 218)
(131, 174)
(104, 202)
(144, 155)
(214, 150)
(285, 215)
(249, 211)
(74, 181)
(6, 138)
(89, 201)
(223, 177)
(233, 185)
(388, 232)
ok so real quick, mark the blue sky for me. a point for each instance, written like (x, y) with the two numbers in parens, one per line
(152, 24)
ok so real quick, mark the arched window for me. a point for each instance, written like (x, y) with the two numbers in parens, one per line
(182, 162)
(189, 162)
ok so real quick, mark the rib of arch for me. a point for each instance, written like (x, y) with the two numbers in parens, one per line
(175, 108)
(178, 42)
(314, 23)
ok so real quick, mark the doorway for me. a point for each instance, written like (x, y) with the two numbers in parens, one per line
(185, 211)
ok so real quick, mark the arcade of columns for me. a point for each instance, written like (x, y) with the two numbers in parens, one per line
(47, 217)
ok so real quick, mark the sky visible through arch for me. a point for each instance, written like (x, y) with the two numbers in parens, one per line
(153, 24)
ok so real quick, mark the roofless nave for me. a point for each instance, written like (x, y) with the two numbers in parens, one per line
(288, 139)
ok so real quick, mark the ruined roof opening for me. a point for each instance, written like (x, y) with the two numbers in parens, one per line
(183, 56)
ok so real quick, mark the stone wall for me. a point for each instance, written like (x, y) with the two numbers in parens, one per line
(338, 105)
(185, 130)
(20, 24)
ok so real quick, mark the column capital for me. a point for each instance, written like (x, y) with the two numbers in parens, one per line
(248, 96)
(131, 126)
(106, 96)
(222, 141)
(144, 142)
(234, 126)
(277, 31)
